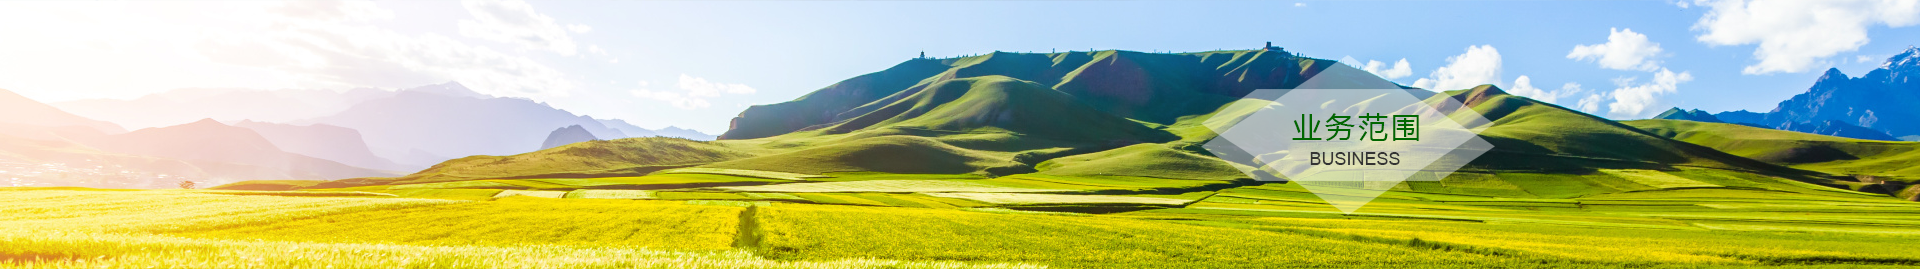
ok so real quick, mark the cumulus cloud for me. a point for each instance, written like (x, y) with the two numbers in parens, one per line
(1631, 100)
(336, 44)
(1794, 35)
(1479, 65)
(1624, 50)
(1523, 86)
(693, 92)
(1399, 69)
(1591, 103)
(515, 22)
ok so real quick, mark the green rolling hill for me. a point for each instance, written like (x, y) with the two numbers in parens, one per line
(1102, 122)
(1892, 163)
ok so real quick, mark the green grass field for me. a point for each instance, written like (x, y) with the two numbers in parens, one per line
(1262, 226)
(1025, 160)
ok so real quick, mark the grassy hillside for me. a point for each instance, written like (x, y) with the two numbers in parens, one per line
(1879, 166)
(1143, 160)
(1148, 87)
(1531, 135)
(1832, 154)
(888, 154)
(605, 158)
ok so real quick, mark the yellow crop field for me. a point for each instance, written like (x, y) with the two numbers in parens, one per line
(1656, 179)
(610, 194)
(174, 210)
(110, 229)
(1043, 199)
(517, 220)
(896, 186)
(826, 231)
(541, 194)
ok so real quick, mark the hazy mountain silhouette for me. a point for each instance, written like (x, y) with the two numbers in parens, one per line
(451, 121)
(323, 141)
(19, 111)
(228, 105)
(214, 146)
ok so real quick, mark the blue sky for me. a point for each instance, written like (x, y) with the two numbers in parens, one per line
(697, 63)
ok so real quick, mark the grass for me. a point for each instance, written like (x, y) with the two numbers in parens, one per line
(678, 195)
(446, 193)
(1657, 179)
(77, 229)
(515, 221)
(1060, 199)
(474, 184)
(651, 181)
(740, 172)
(857, 176)
(1105, 183)
(830, 232)
(1895, 160)
(268, 185)
(610, 194)
(1115, 135)
(893, 186)
(542, 194)
(303, 193)
(1143, 160)
(605, 158)
(1272, 225)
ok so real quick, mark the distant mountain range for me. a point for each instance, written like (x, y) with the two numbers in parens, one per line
(226, 105)
(209, 143)
(44, 145)
(1878, 105)
(403, 130)
(280, 134)
(323, 141)
(19, 110)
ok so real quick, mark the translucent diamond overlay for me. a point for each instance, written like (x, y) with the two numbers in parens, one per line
(1347, 135)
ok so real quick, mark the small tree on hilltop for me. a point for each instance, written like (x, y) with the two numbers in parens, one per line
(186, 184)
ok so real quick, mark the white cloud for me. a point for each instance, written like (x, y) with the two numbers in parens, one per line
(515, 22)
(1591, 103)
(672, 98)
(1299, 4)
(579, 28)
(1479, 65)
(1399, 70)
(694, 92)
(1868, 58)
(1794, 35)
(1523, 86)
(1632, 101)
(703, 88)
(337, 45)
(1624, 50)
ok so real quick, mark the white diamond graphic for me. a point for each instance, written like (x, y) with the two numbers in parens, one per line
(1347, 136)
